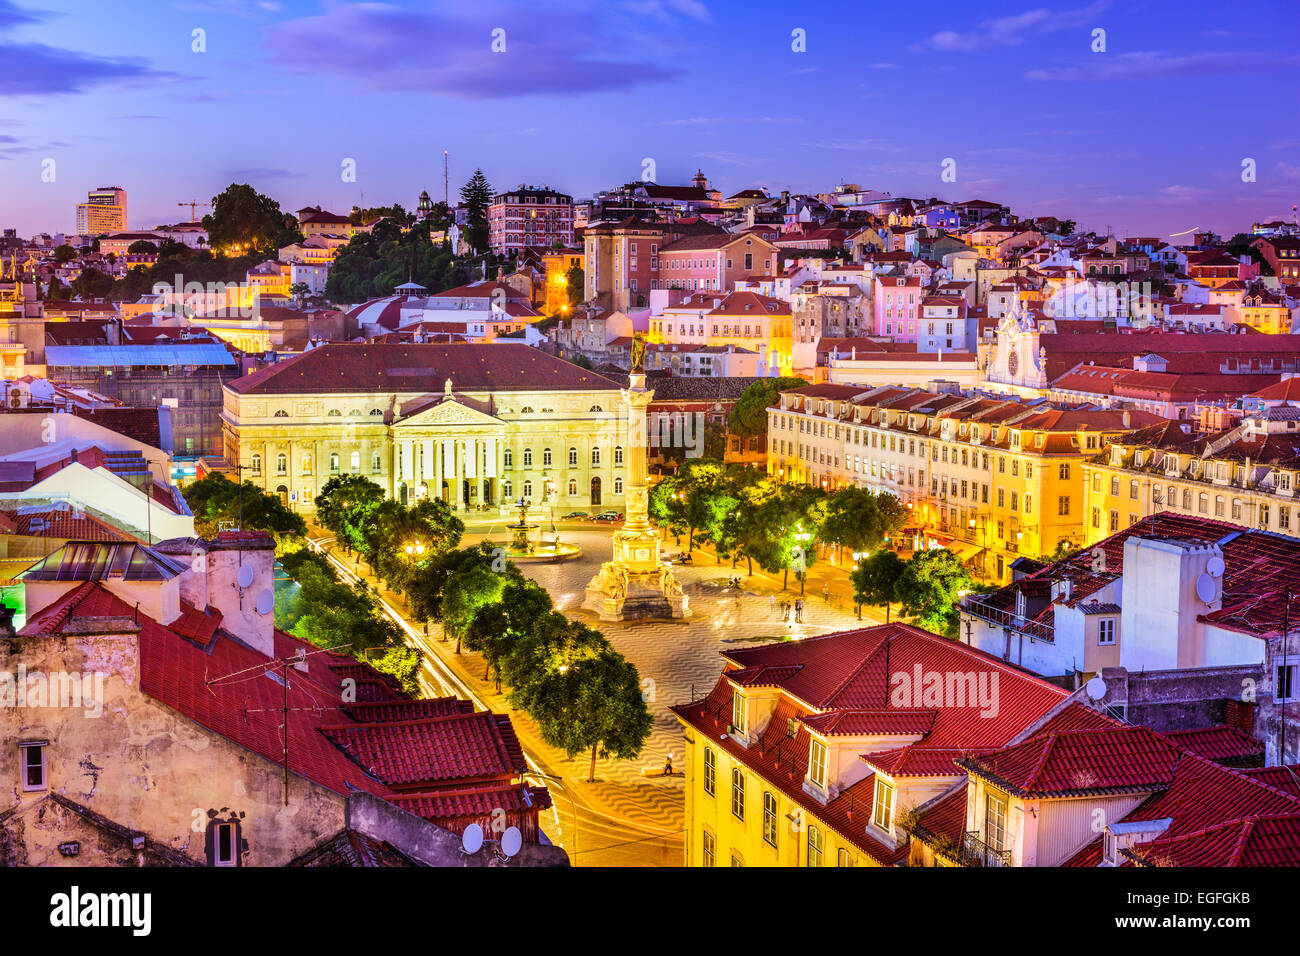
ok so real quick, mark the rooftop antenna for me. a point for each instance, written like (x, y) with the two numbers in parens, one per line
(446, 190)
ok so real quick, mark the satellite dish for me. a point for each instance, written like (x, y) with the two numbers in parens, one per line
(245, 576)
(1206, 588)
(1096, 688)
(266, 602)
(511, 841)
(472, 840)
(1215, 567)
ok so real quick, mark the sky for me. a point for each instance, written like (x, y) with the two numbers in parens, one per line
(173, 101)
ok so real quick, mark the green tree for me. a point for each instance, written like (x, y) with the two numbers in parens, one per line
(551, 644)
(785, 530)
(402, 662)
(472, 585)
(748, 418)
(875, 579)
(64, 253)
(215, 499)
(860, 519)
(343, 507)
(141, 247)
(930, 588)
(577, 283)
(498, 629)
(596, 704)
(477, 195)
(243, 220)
(390, 526)
(92, 284)
(338, 615)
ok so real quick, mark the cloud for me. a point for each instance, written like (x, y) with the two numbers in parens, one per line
(1151, 63)
(390, 49)
(35, 69)
(664, 9)
(259, 173)
(1010, 31)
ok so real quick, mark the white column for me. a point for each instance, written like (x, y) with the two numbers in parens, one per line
(445, 462)
(431, 468)
(471, 457)
(490, 465)
(408, 462)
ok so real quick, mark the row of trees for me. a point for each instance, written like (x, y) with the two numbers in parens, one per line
(928, 586)
(584, 695)
(746, 514)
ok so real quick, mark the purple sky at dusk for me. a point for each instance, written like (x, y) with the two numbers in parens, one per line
(1147, 137)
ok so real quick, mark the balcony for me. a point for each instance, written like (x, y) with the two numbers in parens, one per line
(976, 606)
(975, 852)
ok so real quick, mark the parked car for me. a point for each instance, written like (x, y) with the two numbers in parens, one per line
(575, 516)
(608, 516)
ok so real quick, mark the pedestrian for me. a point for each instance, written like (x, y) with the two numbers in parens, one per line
(771, 604)
(668, 766)
(826, 592)
(798, 611)
(785, 611)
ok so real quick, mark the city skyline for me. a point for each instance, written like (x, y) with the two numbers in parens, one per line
(1030, 115)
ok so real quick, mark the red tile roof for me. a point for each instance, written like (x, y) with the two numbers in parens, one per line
(1264, 840)
(1218, 743)
(356, 367)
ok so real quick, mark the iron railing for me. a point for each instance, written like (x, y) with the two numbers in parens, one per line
(975, 852)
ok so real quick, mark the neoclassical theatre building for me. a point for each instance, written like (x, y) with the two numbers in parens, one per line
(472, 424)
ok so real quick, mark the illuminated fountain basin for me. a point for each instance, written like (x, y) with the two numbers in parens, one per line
(524, 547)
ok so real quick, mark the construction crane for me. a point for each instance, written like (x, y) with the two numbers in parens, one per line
(193, 204)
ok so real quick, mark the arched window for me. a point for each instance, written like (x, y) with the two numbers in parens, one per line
(377, 411)
(573, 458)
(281, 464)
(528, 489)
(618, 486)
(355, 411)
(595, 456)
(618, 455)
(528, 458)
(335, 413)
(306, 464)
(257, 464)
(356, 461)
(377, 463)
(526, 410)
(595, 408)
(507, 461)
(334, 462)
(546, 458)
(573, 486)
(507, 490)
(281, 413)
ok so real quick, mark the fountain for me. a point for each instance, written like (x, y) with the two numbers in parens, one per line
(523, 548)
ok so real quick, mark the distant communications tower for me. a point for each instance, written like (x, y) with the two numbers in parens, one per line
(446, 191)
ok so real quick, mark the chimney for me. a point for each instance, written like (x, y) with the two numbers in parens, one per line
(240, 569)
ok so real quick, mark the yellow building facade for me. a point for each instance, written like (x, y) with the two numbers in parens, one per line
(993, 479)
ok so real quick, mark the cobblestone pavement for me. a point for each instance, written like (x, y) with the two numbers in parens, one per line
(678, 660)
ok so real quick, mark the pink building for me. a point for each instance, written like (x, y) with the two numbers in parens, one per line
(716, 262)
(898, 306)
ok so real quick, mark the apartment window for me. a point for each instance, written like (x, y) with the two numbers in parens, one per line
(1114, 487)
(1063, 471)
(32, 765)
(528, 489)
(738, 793)
(1096, 482)
(739, 706)
(1114, 521)
(1284, 689)
(736, 861)
(1283, 518)
(507, 458)
(817, 762)
(618, 455)
(1203, 503)
(1218, 505)
(573, 458)
(257, 464)
(1015, 501)
(769, 818)
(1236, 509)
(1106, 631)
(1002, 497)
(710, 849)
(845, 858)
(546, 458)
(377, 463)
(528, 458)
(815, 846)
(281, 464)
(1063, 505)
(306, 465)
(223, 843)
(1133, 490)
(595, 456)
(995, 821)
(1263, 516)
(883, 817)
(334, 463)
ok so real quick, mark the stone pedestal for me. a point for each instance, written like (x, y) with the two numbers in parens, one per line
(637, 584)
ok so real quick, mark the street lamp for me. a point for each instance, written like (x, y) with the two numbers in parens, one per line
(415, 549)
